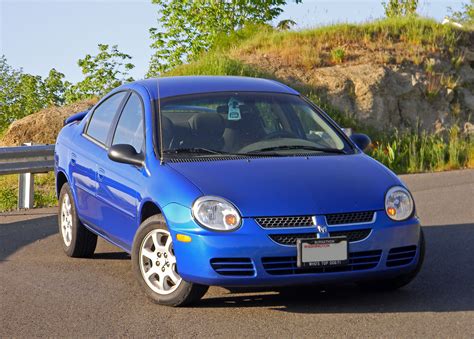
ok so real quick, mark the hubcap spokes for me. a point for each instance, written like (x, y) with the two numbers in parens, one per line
(158, 262)
(66, 220)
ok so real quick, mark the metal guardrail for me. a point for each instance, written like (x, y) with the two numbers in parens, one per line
(26, 161)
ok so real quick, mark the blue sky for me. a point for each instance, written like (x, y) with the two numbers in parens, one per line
(39, 35)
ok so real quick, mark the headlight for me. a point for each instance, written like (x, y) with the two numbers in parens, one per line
(216, 213)
(398, 203)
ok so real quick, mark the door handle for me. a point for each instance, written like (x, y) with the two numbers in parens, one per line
(73, 159)
(100, 174)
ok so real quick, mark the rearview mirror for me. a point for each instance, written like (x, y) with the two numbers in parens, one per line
(126, 154)
(361, 140)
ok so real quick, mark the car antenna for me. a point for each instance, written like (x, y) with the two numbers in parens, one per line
(160, 121)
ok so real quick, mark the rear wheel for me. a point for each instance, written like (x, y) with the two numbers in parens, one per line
(154, 265)
(399, 281)
(77, 240)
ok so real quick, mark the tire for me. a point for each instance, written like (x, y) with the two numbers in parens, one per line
(155, 267)
(397, 282)
(77, 240)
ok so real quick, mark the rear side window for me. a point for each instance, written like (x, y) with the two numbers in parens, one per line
(102, 117)
(130, 126)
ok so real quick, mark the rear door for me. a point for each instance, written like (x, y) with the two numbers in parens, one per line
(85, 159)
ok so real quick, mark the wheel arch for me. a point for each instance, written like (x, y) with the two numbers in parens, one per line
(61, 179)
(149, 208)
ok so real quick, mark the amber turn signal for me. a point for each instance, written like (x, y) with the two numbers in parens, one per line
(183, 238)
(391, 211)
(231, 220)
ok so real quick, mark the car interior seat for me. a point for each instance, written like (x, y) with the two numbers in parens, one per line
(207, 130)
(239, 133)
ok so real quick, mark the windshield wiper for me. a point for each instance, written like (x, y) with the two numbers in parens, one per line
(195, 150)
(308, 148)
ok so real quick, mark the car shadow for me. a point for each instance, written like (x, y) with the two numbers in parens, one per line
(111, 256)
(445, 284)
(16, 235)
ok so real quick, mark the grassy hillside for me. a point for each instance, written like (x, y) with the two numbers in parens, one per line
(389, 41)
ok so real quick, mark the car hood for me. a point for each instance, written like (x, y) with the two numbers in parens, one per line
(282, 186)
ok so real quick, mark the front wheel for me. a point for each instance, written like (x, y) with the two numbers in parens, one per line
(155, 267)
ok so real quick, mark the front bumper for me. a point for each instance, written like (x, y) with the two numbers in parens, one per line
(249, 257)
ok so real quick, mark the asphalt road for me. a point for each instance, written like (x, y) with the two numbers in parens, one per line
(44, 293)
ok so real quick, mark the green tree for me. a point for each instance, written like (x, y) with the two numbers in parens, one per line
(54, 88)
(188, 28)
(22, 94)
(398, 8)
(9, 78)
(103, 72)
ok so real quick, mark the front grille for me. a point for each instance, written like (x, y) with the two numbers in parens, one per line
(290, 239)
(282, 222)
(349, 218)
(233, 266)
(287, 265)
(401, 256)
(308, 220)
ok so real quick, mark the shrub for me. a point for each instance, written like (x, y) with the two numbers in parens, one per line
(411, 152)
(338, 55)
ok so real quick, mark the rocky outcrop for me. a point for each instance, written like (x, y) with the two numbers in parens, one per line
(429, 96)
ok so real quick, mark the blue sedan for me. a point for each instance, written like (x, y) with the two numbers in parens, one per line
(231, 181)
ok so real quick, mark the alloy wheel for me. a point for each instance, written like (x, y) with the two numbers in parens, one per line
(66, 220)
(158, 262)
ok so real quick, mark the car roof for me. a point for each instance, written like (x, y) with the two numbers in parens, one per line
(185, 85)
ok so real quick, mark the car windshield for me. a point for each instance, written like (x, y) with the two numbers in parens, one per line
(246, 123)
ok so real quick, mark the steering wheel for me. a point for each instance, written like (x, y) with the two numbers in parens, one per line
(280, 134)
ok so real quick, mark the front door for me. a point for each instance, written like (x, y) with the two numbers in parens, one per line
(120, 184)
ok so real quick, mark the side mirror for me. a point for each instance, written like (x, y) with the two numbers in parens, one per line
(126, 154)
(361, 140)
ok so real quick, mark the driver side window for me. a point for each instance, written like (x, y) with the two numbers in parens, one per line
(130, 127)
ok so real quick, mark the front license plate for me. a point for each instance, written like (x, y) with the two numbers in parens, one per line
(322, 252)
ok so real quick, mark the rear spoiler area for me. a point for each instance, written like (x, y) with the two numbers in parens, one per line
(75, 117)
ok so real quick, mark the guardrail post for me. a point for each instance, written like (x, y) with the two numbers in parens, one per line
(26, 188)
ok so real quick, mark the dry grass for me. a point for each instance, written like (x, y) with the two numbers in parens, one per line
(42, 127)
(385, 41)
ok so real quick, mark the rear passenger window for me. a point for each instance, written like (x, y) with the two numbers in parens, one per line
(102, 117)
(130, 126)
